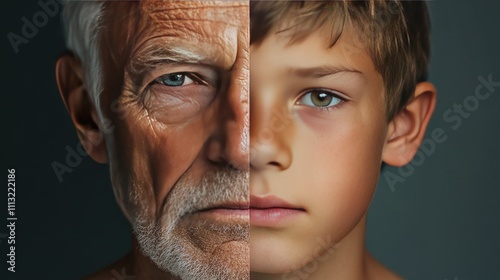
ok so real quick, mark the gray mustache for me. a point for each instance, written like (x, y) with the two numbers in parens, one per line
(219, 187)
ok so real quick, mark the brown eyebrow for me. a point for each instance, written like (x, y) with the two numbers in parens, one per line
(321, 71)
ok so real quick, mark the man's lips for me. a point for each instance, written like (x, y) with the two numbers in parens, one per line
(272, 211)
(226, 210)
(227, 206)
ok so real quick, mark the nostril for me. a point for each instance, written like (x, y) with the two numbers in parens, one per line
(274, 163)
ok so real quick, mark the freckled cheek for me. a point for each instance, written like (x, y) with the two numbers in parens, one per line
(345, 168)
(340, 193)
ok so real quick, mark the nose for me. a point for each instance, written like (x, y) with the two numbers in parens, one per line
(231, 145)
(269, 139)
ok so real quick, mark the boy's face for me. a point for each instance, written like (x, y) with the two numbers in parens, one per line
(318, 129)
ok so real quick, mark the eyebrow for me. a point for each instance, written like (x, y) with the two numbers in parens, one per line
(321, 71)
(149, 57)
(155, 54)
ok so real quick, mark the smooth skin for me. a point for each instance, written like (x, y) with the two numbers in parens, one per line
(325, 137)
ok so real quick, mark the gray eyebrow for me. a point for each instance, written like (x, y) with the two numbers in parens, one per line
(154, 55)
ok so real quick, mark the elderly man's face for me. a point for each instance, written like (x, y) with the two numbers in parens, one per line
(176, 93)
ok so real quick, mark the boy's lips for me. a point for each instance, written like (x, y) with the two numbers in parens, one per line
(272, 211)
(270, 201)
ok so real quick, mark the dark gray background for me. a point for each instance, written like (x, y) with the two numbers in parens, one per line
(442, 222)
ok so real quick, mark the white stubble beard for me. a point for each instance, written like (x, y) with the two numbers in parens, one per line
(167, 245)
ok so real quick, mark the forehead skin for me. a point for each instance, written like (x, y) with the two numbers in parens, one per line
(189, 22)
(208, 29)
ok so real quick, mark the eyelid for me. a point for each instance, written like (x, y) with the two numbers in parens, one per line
(195, 77)
(335, 93)
(206, 73)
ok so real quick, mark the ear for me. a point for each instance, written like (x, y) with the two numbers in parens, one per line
(76, 98)
(407, 129)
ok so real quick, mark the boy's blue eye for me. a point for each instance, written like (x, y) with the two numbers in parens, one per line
(319, 98)
(175, 80)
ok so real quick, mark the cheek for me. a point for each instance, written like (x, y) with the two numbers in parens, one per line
(147, 157)
(174, 156)
(342, 163)
(129, 164)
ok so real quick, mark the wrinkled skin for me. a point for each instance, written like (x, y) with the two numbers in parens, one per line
(166, 137)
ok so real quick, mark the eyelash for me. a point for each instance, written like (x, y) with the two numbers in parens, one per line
(334, 94)
(196, 78)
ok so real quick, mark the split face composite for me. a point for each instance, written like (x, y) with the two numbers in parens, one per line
(294, 125)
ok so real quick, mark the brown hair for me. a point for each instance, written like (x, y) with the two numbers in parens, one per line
(395, 34)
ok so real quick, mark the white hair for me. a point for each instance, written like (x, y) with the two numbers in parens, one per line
(82, 22)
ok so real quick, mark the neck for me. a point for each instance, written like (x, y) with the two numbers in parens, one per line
(344, 260)
(133, 266)
(143, 268)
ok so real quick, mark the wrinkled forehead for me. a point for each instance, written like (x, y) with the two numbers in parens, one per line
(225, 11)
(207, 29)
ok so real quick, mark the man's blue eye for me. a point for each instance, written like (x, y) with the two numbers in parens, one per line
(175, 80)
(319, 98)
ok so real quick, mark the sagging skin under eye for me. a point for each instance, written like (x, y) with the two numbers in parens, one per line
(149, 83)
(175, 94)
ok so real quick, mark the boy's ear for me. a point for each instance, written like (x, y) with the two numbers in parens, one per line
(406, 130)
(69, 76)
